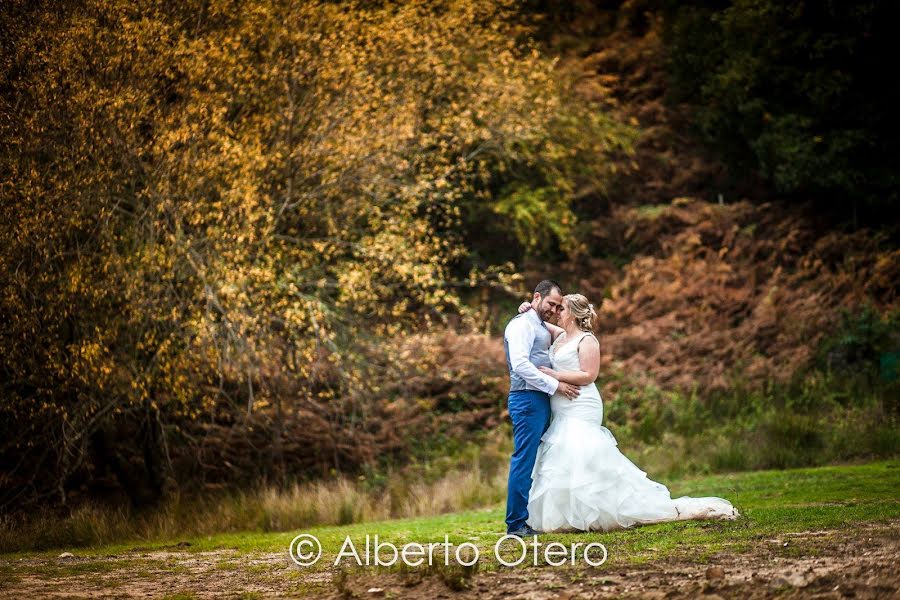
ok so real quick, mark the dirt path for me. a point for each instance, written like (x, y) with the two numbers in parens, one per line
(849, 563)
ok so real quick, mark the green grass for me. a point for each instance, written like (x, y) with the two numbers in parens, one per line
(773, 503)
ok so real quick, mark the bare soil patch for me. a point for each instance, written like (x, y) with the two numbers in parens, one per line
(838, 563)
(861, 563)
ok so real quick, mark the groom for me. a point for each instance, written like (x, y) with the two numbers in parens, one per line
(527, 341)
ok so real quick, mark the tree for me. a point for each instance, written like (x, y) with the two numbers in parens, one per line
(799, 92)
(214, 209)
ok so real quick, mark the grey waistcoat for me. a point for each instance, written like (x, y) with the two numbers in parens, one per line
(539, 355)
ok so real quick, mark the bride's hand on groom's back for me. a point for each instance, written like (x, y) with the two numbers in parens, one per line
(524, 307)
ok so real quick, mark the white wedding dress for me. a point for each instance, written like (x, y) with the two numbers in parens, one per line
(581, 482)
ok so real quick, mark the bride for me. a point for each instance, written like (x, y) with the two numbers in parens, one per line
(580, 481)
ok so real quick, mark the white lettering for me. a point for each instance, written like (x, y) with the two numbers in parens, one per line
(475, 554)
(352, 552)
(550, 554)
(407, 551)
(502, 560)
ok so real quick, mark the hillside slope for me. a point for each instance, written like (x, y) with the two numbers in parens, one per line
(708, 277)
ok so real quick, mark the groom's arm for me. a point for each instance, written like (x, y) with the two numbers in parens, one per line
(520, 338)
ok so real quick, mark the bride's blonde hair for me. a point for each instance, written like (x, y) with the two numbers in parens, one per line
(582, 311)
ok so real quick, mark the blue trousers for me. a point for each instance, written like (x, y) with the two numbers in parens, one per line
(530, 414)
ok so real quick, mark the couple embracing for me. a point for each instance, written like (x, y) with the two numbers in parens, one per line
(566, 472)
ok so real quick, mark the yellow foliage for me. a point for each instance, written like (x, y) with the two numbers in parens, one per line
(202, 194)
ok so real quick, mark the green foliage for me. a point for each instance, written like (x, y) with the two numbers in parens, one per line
(821, 417)
(522, 207)
(346, 513)
(529, 211)
(800, 92)
(862, 341)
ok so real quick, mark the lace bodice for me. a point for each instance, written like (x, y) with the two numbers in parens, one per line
(588, 405)
(564, 352)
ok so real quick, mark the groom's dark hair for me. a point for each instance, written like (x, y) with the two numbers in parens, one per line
(546, 286)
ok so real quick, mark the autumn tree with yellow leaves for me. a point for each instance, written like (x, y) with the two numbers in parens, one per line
(219, 219)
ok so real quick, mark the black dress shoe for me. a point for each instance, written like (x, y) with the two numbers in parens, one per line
(524, 532)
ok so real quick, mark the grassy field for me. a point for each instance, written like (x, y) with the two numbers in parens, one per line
(819, 507)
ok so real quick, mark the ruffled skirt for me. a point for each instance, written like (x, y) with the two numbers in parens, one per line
(581, 482)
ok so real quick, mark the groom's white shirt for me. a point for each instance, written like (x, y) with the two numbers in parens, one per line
(520, 336)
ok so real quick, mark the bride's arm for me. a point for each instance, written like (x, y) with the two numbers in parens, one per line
(588, 360)
(553, 329)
